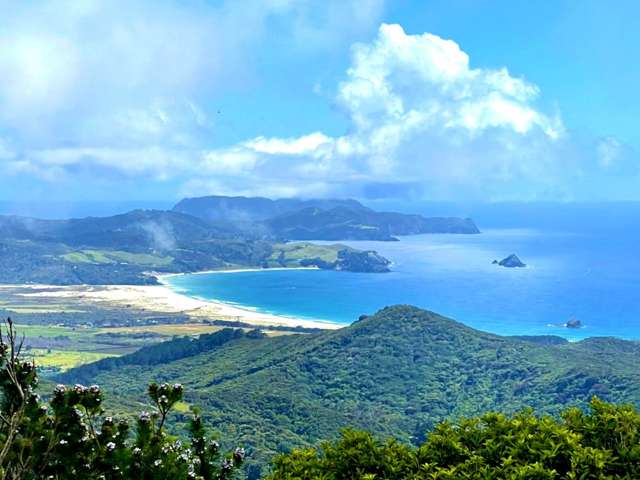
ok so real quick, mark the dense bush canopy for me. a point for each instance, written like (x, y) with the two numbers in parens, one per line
(397, 373)
(69, 437)
(601, 444)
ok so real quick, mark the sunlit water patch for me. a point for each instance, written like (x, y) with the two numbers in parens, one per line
(591, 277)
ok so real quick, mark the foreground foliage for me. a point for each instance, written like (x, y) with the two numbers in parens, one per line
(71, 438)
(601, 444)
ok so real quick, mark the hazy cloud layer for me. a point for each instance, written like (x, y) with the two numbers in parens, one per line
(115, 90)
(425, 122)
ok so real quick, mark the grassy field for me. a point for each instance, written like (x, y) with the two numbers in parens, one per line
(58, 348)
(108, 257)
(38, 309)
(55, 331)
(294, 252)
(65, 332)
(63, 360)
(167, 329)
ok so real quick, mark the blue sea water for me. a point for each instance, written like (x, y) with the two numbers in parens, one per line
(593, 276)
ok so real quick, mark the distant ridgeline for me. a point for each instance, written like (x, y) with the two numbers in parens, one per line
(294, 219)
(396, 373)
(200, 234)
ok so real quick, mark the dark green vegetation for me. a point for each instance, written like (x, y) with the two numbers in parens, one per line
(219, 208)
(201, 234)
(70, 438)
(601, 444)
(295, 219)
(328, 257)
(120, 249)
(163, 352)
(396, 373)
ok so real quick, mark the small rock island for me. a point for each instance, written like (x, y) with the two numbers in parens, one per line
(512, 261)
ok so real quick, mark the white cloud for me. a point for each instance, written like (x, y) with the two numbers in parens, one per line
(108, 64)
(402, 76)
(125, 96)
(153, 162)
(419, 112)
(608, 151)
(6, 152)
(311, 144)
(232, 161)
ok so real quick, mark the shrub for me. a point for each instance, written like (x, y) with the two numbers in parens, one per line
(601, 444)
(71, 438)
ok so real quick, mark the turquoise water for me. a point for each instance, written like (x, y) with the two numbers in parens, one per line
(591, 276)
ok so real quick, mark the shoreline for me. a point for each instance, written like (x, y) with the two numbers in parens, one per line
(162, 276)
(162, 299)
(247, 313)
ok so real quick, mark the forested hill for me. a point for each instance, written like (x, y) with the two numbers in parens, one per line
(395, 373)
(121, 249)
(202, 234)
(222, 208)
(326, 219)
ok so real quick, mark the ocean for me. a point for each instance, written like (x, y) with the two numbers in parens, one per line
(591, 276)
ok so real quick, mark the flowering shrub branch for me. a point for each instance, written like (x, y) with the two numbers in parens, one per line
(62, 440)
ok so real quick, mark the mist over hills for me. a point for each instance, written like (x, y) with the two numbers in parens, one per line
(224, 208)
(329, 219)
(201, 234)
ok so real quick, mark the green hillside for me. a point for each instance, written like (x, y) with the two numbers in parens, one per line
(117, 256)
(396, 373)
(122, 249)
(326, 219)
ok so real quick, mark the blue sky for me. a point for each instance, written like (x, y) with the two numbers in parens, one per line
(423, 100)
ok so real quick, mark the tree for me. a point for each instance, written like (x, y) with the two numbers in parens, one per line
(71, 438)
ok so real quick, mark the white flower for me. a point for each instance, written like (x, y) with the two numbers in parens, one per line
(111, 446)
(239, 453)
(145, 417)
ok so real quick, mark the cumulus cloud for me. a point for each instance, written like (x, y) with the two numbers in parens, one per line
(422, 118)
(418, 111)
(425, 122)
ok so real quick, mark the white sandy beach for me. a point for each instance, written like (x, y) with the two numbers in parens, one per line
(162, 276)
(162, 299)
